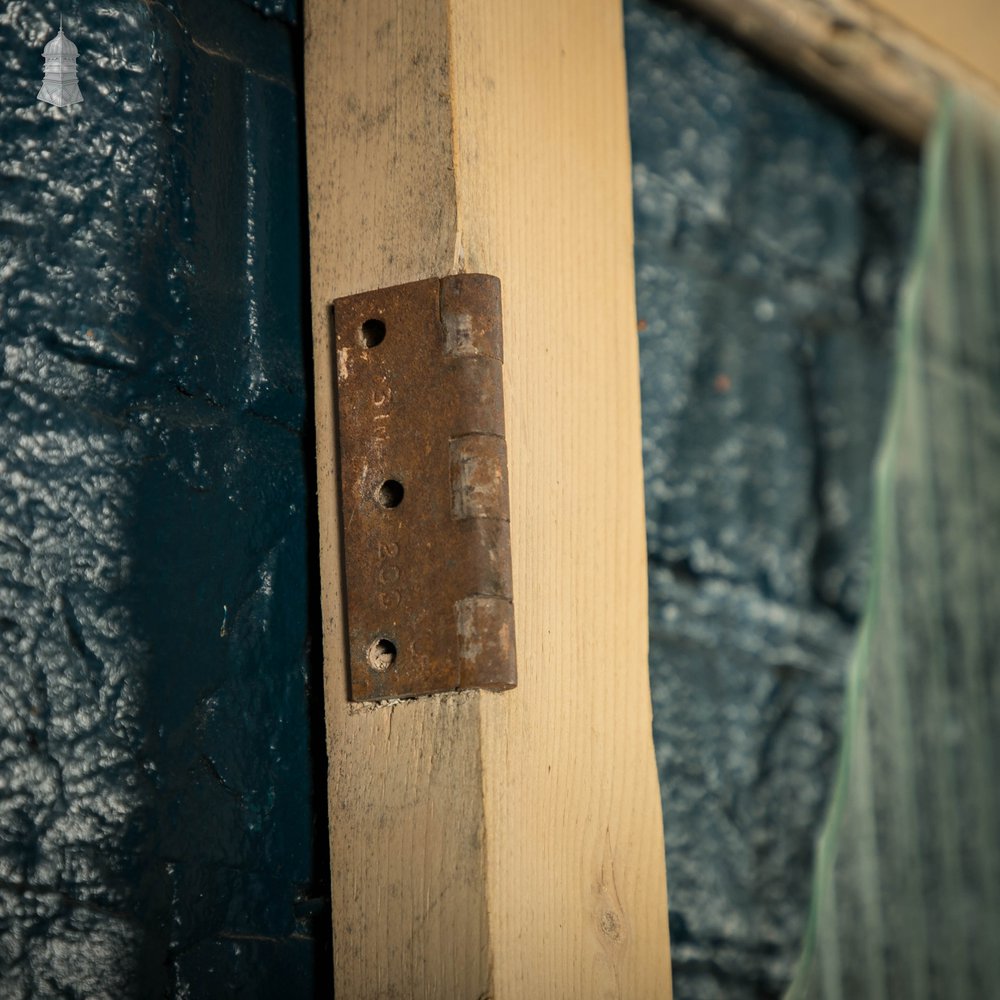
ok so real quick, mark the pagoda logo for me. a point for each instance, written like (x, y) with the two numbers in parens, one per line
(59, 86)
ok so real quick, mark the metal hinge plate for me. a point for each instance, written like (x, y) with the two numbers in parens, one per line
(423, 487)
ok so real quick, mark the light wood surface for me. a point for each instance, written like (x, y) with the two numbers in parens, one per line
(574, 854)
(510, 845)
(876, 64)
(406, 810)
(968, 29)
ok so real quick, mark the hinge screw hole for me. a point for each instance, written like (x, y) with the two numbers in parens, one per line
(390, 494)
(372, 332)
(381, 654)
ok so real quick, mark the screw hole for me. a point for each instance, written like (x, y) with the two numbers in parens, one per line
(372, 332)
(381, 654)
(390, 493)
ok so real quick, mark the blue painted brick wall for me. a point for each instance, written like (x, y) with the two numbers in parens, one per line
(771, 232)
(162, 826)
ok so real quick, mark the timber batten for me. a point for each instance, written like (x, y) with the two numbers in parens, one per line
(510, 844)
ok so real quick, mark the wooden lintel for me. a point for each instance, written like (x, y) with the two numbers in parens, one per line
(502, 845)
(877, 66)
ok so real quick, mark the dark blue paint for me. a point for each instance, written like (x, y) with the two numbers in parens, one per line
(162, 796)
(771, 233)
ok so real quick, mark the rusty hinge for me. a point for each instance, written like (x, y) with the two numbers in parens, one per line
(423, 486)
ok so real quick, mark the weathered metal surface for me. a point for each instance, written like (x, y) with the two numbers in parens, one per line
(423, 479)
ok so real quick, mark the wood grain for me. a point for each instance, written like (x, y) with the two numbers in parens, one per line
(575, 843)
(878, 66)
(967, 29)
(406, 809)
(498, 845)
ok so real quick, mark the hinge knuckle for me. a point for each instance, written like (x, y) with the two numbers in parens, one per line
(423, 485)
